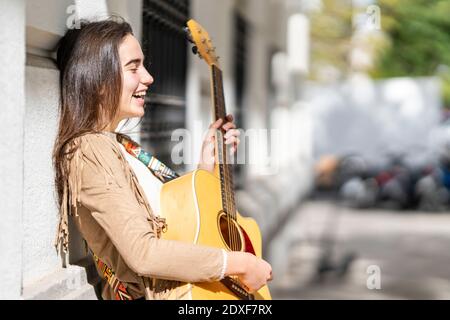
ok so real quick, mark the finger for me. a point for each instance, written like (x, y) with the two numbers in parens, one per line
(231, 140)
(216, 125)
(229, 117)
(232, 132)
(236, 145)
(229, 125)
(212, 130)
(234, 149)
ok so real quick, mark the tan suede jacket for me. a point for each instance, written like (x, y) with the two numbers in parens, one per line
(113, 215)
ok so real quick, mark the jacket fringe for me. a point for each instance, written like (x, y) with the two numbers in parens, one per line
(72, 185)
(70, 199)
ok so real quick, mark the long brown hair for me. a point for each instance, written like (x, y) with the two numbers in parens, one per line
(90, 84)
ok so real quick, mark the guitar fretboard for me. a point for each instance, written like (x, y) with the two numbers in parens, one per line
(225, 170)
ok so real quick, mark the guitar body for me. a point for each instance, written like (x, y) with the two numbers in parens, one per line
(192, 206)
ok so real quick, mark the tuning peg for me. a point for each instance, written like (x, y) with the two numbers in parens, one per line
(188, 34)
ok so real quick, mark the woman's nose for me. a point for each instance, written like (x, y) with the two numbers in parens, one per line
(147, 78)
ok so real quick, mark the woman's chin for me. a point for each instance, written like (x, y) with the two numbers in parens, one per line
(138, 111)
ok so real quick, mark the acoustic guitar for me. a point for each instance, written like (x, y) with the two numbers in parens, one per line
(200, 207)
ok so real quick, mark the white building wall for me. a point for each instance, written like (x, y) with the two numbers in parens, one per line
(46, 22)
(256, 112)
(43, 26)
(12, 97)
(39, 203)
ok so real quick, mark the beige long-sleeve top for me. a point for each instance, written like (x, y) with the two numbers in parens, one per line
(114, 217)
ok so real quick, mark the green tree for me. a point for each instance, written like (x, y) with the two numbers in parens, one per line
(419, 40)
(331, 33)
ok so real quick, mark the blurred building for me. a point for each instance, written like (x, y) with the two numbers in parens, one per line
(263, 73)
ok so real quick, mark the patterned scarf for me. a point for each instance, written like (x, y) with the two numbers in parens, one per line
(159, 169)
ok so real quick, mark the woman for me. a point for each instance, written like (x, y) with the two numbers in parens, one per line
(113, 203)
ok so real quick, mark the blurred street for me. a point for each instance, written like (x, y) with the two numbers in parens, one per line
(409, 247)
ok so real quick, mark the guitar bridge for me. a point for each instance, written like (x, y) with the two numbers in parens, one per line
(235, 287)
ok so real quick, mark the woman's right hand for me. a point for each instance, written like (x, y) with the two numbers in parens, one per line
(252, 271)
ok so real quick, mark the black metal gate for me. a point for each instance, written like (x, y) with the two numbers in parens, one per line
(164, 45)
(241, 33)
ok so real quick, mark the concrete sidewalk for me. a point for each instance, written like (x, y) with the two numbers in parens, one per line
(405, 254)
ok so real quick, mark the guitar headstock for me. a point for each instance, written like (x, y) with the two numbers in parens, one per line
(203, 46)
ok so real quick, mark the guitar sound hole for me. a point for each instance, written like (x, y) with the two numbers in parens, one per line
(230, 232)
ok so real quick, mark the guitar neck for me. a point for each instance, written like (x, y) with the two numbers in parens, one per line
(223, 167)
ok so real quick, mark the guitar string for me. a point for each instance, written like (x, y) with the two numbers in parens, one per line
(229, 204)
(233, 207)
(221, 161)
(221, 157)
(232, 235)
(230, 208)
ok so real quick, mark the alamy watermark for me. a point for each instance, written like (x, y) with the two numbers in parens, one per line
(374, 279)
(257, 148)
(370, 20)
(73, 279)
(373, 13)
(73, 20)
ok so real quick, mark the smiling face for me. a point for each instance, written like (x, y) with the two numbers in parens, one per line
(135, 80)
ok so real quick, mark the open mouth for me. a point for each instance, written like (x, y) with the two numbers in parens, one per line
(139, 98)
(139, 95)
